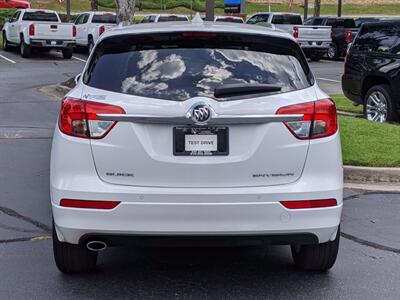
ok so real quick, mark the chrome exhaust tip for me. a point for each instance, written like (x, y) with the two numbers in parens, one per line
(96, 245)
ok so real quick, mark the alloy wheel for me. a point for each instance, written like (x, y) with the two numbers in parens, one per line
(377, 107)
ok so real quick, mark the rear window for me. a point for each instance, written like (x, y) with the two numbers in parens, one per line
(105, 19)
(287, 19)
(230, 20)
(341, 23)
(40, 16)
(178, 67)
(377, 38)
(171, 19)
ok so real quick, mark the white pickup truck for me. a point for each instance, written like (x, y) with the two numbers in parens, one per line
(314, 40)
(90, 25)
(40, 29)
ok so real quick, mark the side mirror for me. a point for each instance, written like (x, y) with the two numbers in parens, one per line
(78, 78)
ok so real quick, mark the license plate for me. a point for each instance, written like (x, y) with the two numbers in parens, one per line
(314, 43)
(53, 43)
(200, 141)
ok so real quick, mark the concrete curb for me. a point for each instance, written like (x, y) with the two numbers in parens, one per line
(371, 175)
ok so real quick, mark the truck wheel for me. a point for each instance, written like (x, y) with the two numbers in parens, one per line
(319, 257)
(72, 258)
(25, 49)
(67, 53)
(91, 45)
(333, 52)
(315, 56)
(6, 45)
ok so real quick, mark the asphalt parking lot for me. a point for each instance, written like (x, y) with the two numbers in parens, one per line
(368, 265)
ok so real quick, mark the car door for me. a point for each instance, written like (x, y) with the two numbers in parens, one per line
(81, 30)
(13, 32)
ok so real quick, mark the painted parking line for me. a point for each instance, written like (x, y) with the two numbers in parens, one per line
(331, 80)
(7, 59)
(80, 59)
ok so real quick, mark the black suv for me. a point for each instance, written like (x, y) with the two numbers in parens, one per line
(372, 71)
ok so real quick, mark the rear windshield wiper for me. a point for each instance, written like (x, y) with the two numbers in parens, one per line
(237, 89)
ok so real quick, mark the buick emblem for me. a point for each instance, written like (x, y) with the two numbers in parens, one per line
(200, 114)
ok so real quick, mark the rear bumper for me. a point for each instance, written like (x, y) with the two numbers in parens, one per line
(314, 46)
(51, 43)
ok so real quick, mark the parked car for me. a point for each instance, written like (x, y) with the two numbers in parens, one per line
(314, 40)
(90, 25)
(38, 29)
(14, 4)
(360, 21)
(372, 72)
(167, 137)
(229, 19)
(155, 18)
(344, 31)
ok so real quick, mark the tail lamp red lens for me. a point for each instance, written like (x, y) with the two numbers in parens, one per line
(296, 32)
(93, 204)
(79, 118)
(319, 119)
(32, 29)
(73, 30)
(102, 28)
(348, 36)
(302, 204)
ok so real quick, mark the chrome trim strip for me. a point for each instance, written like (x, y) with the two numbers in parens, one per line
(216, 119)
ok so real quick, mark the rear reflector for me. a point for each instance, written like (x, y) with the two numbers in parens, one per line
(89, 204)
(309, 203)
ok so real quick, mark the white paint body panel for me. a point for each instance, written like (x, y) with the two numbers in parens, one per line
(83, 31)
(196, 195)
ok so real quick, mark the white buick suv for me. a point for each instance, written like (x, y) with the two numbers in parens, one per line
(196, 132)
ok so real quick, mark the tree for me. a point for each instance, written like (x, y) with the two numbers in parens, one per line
(94, 5)
(125, 10)
(317, 8)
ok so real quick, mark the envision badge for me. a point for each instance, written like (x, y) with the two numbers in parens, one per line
(200, 114)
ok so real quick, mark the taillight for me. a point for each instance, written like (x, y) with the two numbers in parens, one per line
(348, 36)
(301, 204)
(32, 29)
(73, 31)
(94, 204)
(102, 28)
(296, 32)
(319, 119)
(79, 118)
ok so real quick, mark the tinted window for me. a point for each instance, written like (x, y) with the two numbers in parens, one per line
(341, 23)
(172, 67)
(314, 21)
(376, 38)
(229, 20)
(85, 18)
(258, 19)
(79, 20)
(171, 19)
(40, 16)
(15, 17)
(105, 19)
(287, 19)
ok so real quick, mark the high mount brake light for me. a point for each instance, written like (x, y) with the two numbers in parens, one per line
(78, 118)
(301, 204)
(199, 34)
(319, 119)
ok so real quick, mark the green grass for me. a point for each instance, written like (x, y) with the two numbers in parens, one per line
(366, 143)
(344, 104)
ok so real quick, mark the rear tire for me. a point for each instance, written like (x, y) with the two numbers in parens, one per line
(387, 101)
(319, 257)
(67, 53)
(25, 49)
(315, 56)
(333, 52)
(6, 45)
(90, 44)
(72, 258)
